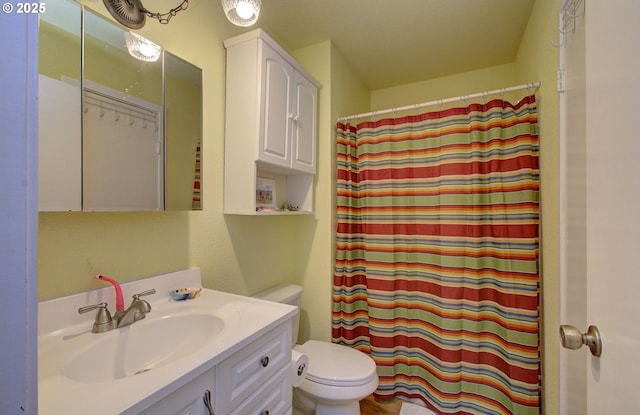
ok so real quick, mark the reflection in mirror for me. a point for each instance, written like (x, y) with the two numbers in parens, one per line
(122, 137)
(132, 139)
(183, 111)
(59, 122)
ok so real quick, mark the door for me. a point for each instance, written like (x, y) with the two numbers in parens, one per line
(600, 205)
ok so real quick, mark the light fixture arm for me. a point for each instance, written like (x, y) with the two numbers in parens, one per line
(132, 14)
(164, 18)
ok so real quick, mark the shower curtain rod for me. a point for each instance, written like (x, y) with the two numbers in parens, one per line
(531, 85)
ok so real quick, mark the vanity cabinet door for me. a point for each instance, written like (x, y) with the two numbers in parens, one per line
(274, 398)
(187, 400)
(254, 368)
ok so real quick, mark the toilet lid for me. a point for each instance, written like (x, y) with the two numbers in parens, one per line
(336, 365)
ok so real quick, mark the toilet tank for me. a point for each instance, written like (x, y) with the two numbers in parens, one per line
(285, 294)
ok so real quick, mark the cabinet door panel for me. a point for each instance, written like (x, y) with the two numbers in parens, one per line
(185, 401)
(240, 375)
(276, 111)
(274, 398)
(304, 137)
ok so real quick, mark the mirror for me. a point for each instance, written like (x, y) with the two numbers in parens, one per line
(125, 136)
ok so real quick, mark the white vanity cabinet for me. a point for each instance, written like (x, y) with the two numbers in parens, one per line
(255, 380)
(270, 124)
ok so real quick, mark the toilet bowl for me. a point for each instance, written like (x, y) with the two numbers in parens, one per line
(338, 377)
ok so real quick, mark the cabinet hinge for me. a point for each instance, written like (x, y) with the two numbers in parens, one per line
(560, 80)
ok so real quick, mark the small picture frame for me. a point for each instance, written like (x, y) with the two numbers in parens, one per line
(265, 194)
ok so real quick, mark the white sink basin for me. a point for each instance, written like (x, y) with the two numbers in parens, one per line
(142, 347)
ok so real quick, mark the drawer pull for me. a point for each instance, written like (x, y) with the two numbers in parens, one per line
(207, 402)
(265, 412)
(264, 361)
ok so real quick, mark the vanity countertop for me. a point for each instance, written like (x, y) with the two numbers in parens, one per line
(65, 335)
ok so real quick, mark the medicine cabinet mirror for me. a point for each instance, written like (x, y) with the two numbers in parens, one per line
(115, 133)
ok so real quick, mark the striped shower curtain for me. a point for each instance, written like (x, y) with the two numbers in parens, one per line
(437, 272)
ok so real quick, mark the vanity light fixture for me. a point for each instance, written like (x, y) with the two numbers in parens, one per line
(242, 12)
(141, 48)
(132, 14)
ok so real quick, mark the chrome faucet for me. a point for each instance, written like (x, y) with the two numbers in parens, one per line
(137, 310)
(104, 322)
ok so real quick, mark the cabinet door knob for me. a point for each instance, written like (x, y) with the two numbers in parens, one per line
(264, 361)
(265, 412)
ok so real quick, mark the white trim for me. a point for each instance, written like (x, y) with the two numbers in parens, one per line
(19, 213)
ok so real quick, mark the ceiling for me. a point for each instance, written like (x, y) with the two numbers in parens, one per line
(394, 42)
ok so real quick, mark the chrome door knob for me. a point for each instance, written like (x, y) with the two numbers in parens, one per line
(571, 338)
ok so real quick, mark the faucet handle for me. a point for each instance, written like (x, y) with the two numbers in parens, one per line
(143, 305)
(103, 321)
(147, 292)
(88, 308)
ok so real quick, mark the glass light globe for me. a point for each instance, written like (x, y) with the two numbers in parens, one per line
(242, 12)
(142, 48)
(244, 9)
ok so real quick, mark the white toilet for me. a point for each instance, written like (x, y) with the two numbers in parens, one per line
(338, 376)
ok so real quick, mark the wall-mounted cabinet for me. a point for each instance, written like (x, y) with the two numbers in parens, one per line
(114, 133)
(270, 126)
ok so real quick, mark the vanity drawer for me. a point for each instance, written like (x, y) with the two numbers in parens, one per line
(251, 368)
(273, 399)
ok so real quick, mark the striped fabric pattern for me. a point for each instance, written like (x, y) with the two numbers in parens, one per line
(436, 271)
(196, 198)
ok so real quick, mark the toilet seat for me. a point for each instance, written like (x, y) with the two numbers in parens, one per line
(337, 365)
